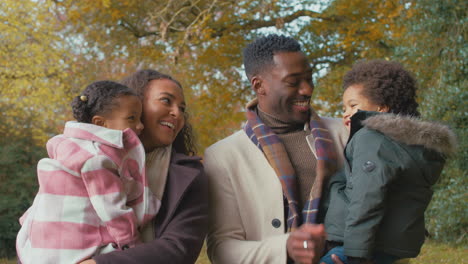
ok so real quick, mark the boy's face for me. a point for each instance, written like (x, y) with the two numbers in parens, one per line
(353, 99)
(127, 114)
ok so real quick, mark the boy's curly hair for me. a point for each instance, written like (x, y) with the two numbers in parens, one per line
(385, 83)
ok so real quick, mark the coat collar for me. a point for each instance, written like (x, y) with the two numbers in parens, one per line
(408, 130)
(106, 136)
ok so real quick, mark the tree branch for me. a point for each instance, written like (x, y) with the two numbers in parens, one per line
(235, 27)
(256, 24)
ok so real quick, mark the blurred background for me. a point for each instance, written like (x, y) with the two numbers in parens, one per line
(51, 49)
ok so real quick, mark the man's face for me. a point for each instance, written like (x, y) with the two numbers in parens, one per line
(284, 91)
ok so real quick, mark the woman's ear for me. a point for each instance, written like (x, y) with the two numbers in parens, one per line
(383, 109)
(98, 121)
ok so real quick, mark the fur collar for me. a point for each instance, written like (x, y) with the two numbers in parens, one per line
(413, 131)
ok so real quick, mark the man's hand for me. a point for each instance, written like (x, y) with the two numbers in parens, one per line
(305, 245)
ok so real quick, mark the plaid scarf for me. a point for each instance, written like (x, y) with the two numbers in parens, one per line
(262, 136)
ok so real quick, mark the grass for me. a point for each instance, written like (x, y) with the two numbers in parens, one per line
(441, 253)
(432, 252)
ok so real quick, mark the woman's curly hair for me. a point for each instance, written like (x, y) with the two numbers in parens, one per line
(98, 99)
(138, 81)
(385, 83)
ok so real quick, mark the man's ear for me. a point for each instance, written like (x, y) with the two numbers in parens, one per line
(257, 85)
(98, 121)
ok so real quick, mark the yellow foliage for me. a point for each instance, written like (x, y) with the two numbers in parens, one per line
(32, 69)
(200, 43)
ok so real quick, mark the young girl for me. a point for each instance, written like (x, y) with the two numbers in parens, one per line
(376, 213)
(93, 195)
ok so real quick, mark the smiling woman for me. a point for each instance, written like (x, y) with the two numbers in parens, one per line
(161, 94)
(163, 107)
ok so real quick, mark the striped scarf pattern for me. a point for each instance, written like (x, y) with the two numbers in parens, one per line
(272, 147)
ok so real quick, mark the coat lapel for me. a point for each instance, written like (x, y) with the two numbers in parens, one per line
(179, 179)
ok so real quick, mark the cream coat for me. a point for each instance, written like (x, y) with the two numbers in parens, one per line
(246, 200)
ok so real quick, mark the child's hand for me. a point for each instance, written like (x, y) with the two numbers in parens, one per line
(88, 261)
(335, 259)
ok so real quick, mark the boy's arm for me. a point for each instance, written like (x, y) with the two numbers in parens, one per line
(374, 165)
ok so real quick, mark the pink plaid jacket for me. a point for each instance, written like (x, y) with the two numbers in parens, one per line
(92, 199)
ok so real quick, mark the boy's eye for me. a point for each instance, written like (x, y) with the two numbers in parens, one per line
(131, 118)
(182, 109)
(165, 100)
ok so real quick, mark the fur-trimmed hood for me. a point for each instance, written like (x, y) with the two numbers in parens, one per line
(414, 131)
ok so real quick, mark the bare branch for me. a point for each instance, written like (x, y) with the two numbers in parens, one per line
(256, 24)
(138, 34)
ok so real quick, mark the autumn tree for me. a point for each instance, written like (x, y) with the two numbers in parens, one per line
(200, 42)
(34, 73)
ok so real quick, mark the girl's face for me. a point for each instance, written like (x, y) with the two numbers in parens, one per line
(126, 114)
(353, 99)
(163, 113)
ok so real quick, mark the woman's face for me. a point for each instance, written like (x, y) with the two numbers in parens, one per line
(163, 113)
(353, 99)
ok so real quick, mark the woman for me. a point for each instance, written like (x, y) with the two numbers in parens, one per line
(393, 158)
(175, 176)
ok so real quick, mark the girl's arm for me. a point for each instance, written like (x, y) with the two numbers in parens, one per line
(108, 198)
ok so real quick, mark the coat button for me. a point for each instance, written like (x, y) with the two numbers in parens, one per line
(276, 223)
(124, 247)
(368, 166)
(114, 245)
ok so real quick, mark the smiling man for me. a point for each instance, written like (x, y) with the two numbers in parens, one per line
(266, 180)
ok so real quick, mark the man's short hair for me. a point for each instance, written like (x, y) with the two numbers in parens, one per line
(258, 55)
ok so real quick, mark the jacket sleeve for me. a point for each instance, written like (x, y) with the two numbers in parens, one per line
(336, 182)
(374, 165)
(108, 198)
(181, 240)
(226, 241)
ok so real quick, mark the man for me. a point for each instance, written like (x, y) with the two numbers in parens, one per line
(265, 181)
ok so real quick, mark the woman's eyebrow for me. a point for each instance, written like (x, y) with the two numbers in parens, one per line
(168, 94)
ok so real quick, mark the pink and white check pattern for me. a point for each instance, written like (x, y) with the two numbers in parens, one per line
(93, 196)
